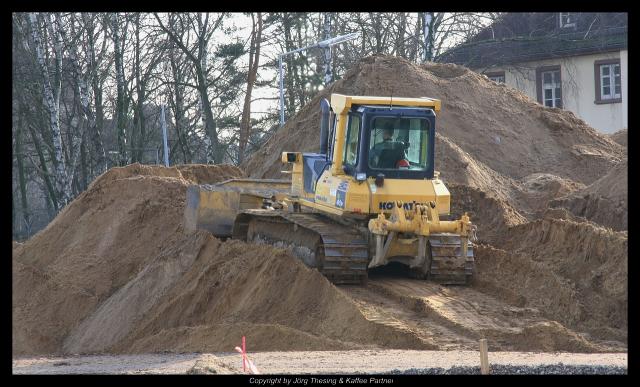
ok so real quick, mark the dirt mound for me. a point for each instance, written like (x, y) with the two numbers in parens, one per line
(208, 174)
(190, 173)
(117, 272)
(539, 189)
(445, 70)
(621, 137)
(497, 125)
(604, 202)
(492, 216)
(458, 166)
(574, 272)
(509, 161)
(259, 291)
(110, 232)
(614, 185)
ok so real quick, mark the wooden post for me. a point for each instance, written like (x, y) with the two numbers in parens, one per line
(244, 355)
(484, 357)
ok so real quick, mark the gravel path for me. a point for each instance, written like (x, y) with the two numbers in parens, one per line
(330, 362)
(122, 364)
(387, 361)
(500, 369)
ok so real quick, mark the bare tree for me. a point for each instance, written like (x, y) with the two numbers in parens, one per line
(96, 79)
(197, 55)
(62, 181)
(121, 106)
(254, 61)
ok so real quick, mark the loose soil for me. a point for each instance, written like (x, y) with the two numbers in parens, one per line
(117, 273)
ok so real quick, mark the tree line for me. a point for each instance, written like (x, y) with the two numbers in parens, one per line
(92, 90)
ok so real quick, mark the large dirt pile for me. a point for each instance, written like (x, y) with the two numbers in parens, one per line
(604, 202)
(498, 125)
(261, 292)
(520, 170)
(116, 271)
(126, 218)
(621, 137)
(576, 272)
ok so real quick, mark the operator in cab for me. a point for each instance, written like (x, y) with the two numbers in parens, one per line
(387, 154)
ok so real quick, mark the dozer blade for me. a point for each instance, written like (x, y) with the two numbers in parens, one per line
(448, 265)
(214, 207)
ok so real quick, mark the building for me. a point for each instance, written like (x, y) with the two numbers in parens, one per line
(573, 61)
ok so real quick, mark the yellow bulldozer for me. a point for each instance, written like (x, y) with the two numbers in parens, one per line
(369, 197)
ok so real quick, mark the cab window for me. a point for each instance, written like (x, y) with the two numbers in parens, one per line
(352, 141)
(399, 143)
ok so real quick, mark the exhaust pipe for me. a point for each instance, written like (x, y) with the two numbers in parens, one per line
(324, 125)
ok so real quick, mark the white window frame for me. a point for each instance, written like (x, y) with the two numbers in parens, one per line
(568, 16)
(498, 78)
(550, 86)
(612, 82)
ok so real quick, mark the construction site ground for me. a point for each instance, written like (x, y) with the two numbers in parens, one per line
(301, 362)
(116, 284)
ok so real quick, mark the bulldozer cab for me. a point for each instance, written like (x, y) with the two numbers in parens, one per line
(378, 151)
(397, 142)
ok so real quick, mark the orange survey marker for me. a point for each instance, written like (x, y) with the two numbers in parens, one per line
(245, 359)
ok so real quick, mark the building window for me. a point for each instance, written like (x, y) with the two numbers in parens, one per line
(497, 77)
(608, 81)
(549, 86)
(567, 20)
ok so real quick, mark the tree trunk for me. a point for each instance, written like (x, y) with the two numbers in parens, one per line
(81, 95)
(298, 67)
(63, 186)
(254, 61)
(26, 216)
(121, 113)
(214, 151)
(328, 75)
(178, 108)
(377, 31)
(84, 177)
(402, 29)
(95, 121)
(141, 95)
(46, 176)
(415, 42)
(289, 80)
(427, 24)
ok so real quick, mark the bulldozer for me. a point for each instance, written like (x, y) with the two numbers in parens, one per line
(371, 196)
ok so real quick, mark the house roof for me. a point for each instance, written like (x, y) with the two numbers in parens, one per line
(522, 37)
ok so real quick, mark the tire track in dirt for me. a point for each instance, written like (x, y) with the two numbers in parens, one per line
(456, 317)
(387, 311)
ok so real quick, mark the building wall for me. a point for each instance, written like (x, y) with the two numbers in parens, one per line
(578, 87)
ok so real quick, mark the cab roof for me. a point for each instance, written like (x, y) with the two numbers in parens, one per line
(341, 103)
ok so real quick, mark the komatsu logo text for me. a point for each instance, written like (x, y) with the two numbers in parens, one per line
(389, 205)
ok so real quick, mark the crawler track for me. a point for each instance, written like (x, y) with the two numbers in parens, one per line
(337, 251)
(449, 265)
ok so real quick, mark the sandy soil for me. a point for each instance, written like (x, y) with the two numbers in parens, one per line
(117, 273)
(621, 137)
(309, 362)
